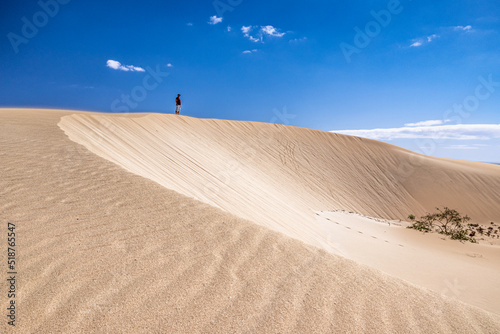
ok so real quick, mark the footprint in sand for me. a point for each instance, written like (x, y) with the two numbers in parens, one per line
(474, 255)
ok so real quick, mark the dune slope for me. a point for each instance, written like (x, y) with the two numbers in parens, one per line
(278, 175)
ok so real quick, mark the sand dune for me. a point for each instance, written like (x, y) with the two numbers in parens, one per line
(280, 173)
(107, 251)
(278, 176)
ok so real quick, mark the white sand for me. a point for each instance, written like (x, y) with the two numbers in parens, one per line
(465, 271)
(278, 176)
(106, 251)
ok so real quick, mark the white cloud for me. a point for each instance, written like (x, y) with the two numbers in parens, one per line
(214, 20)
(250, 51)
(271, 31)
(445, 31)
(432, 37)
(189, 24)
(229, 28)
(264, 30)
(428, 123)
(116, 65)
(245, 30)
(463, 28)
(170, 65)
(421, 41)
(462, 147)
(113, 64)
(455, 131)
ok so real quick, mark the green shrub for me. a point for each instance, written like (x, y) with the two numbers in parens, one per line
(447, 222)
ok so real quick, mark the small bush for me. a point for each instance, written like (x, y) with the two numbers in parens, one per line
(447, 222)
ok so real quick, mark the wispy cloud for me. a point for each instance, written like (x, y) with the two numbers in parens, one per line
(170, 65)
(462, 28)
(189, 24)
(214, 20)
(428, 123)
(417, 42)
(271, 31)
(452, 131)
(262, 31)
(246, 32)
(432, 37)
(229, 28)
(462, 147)
(116, 65)
(423, 40)
(250, 51)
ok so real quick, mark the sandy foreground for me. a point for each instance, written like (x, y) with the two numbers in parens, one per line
(169, 224)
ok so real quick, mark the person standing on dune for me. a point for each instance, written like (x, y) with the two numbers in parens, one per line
(178, 104)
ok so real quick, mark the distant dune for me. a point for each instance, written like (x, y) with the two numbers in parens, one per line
(137, 242)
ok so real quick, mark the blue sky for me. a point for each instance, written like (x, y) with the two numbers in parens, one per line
(424, 75)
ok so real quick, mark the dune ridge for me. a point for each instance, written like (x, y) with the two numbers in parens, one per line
(278, 175)
(104, 250)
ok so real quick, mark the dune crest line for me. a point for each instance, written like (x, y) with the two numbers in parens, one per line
(278, 175)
